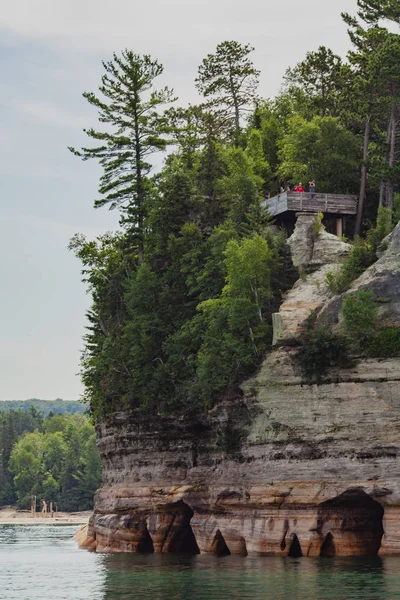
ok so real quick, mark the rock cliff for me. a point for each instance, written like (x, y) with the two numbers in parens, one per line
(281, 469)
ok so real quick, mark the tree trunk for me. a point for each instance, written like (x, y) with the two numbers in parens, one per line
(386, 187)
(236, 105)
(139, 186)
(392, 155)
(363, 183)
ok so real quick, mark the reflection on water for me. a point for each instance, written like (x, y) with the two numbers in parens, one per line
(161, 577)
(44, 563)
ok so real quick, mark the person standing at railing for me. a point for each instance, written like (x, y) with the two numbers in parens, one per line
(312, 189)
(299, 188)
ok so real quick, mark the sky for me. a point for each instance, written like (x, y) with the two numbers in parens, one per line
(50, 52)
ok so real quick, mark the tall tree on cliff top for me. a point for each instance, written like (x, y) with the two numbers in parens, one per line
(320, 76)
(229, 79)
(363, 106)
(377, 57)
(129, 106)
(387, 64)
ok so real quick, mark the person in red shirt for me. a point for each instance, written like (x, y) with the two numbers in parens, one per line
(299, 188)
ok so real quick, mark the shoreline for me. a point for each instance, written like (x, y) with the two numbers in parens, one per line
(10, 516)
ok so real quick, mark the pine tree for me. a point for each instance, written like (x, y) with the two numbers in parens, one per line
(229, 79)
(371, 11)
(129, 106)
(320, 76)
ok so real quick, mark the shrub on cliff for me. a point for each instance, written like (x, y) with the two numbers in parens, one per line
(361, 256)
(384, 343)
(359, 315)
(320, 350)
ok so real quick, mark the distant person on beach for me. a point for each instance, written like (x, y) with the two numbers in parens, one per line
(44, 508)
(312, 189)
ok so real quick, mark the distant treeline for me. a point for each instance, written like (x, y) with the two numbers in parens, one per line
(52, 457)
(57, 406)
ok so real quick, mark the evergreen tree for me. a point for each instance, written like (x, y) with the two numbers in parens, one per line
(371, 11)
(230, 80)
(320, 76)
(377, 57)
(129, 106)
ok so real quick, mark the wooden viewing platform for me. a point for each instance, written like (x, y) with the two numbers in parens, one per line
(334, 204)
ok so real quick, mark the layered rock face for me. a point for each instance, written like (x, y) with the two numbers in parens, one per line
(282, 469)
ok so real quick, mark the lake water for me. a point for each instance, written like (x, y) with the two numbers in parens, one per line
(43, 562)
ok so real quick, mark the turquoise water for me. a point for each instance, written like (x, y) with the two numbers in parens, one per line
(43, 562)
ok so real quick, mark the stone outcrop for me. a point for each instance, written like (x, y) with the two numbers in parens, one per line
(315, 253)
(382, 279)
(282, 469)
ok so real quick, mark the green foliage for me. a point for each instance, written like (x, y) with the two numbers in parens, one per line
(319, 75)
(361, 256)
(55, 459)
(230, 438)
(320, 350)
(371, 11)
(317, 224)
(240, 188)
(360, 315)
(320, 149)
(384, 343)
(182, 298)
(44, 406)
(384, 226)
(13, 424)
(228, 78)
(129, 106)
(236, 332)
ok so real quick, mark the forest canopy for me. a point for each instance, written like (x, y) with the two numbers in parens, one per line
(183, 293)
(54, 458)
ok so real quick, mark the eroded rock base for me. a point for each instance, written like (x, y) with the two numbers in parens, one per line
(350, 524)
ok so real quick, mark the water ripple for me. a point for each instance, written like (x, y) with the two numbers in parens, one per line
(44, 563)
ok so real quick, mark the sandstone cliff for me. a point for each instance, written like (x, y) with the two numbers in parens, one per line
(282, 469)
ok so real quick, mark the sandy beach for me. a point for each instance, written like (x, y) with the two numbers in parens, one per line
(10, 516)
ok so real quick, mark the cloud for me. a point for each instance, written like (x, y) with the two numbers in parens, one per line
(160, 24)
(54, 229)
(46, 113)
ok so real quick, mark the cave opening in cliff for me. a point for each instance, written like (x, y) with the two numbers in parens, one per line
(354, 522)
(189, 543)
(328, 547)
(145, 544)
(219, 546)
(295, 548)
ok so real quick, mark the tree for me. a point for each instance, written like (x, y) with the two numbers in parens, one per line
(13, 423)
(363, 104)
(26, 464)
(236, 331)
(61, 465)
(387, 65)
(321, 149)
(319, 75)
(240, 189)
(129, 106)
(230, 80)
(377, 58)
(371, 11)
